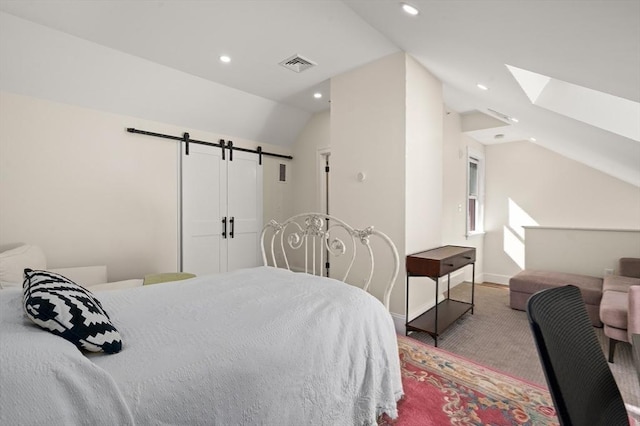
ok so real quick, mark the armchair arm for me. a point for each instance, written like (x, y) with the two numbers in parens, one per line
(633, 315)
(85, 275)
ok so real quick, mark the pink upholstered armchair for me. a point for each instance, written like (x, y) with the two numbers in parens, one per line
(633, 325)
(620, 304)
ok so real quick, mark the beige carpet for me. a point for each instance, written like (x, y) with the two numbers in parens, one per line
(499, 337)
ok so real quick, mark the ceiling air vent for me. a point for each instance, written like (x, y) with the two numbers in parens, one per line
(297, 63)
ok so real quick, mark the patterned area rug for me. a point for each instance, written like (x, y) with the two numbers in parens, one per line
(442, 388)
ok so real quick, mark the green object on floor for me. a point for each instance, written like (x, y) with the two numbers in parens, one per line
(166, 277)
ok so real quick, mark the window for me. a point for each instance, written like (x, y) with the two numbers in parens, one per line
(475, 192)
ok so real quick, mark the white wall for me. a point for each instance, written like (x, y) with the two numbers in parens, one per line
(579, 250)
(454, 198)
(423, 158)
(41, 62)
(423, 175)
(530, 185)
(386, 122)
(368, 136)
(277, 196)
(73, 181)
(313, 138)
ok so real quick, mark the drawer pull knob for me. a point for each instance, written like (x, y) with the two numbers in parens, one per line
(448, 264)
(467, 257)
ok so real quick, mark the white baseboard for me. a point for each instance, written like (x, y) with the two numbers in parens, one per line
(496, 279)
(399, 323)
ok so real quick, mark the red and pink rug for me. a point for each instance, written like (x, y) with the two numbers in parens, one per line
(444, 389)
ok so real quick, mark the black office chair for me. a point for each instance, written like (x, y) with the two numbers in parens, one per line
(583, 389)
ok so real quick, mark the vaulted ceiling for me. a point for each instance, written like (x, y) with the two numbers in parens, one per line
(592, 45)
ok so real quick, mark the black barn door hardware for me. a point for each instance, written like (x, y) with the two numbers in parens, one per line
(185, 137)
(186, 140)
(232, 223)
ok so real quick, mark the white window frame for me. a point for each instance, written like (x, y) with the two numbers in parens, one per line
(476, 157)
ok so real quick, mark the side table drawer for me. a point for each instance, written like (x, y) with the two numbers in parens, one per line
(456, 262)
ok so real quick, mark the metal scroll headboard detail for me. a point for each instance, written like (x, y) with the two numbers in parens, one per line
(322, 236)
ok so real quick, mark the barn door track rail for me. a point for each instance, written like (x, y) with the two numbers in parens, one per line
(222, 144)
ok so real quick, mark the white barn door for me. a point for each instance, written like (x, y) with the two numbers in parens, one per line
(244, 195)
(221, 210)
(204, 205)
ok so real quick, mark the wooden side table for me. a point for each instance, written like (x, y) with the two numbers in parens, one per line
(435, 264)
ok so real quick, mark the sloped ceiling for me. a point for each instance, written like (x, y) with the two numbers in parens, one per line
(591, 43)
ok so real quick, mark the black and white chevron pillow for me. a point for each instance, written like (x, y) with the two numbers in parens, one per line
(67, 309)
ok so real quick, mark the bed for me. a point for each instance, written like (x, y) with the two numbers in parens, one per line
(264, 345)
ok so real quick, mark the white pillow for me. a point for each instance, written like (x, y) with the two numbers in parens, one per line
(13, 263)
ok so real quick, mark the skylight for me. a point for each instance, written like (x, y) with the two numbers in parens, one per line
(599, 109)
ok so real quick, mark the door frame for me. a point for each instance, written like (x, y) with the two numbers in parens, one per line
(323, 185)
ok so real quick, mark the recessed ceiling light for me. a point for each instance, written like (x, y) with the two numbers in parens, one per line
(411, 10)
(317, 95)
(224, 58)
(482, 86)
(532, 139)
(515, 120)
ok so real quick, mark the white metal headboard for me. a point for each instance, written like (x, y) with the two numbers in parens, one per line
(315, 233)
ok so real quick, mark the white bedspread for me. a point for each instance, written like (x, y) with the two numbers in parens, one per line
(254, 347)
(46, 380)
